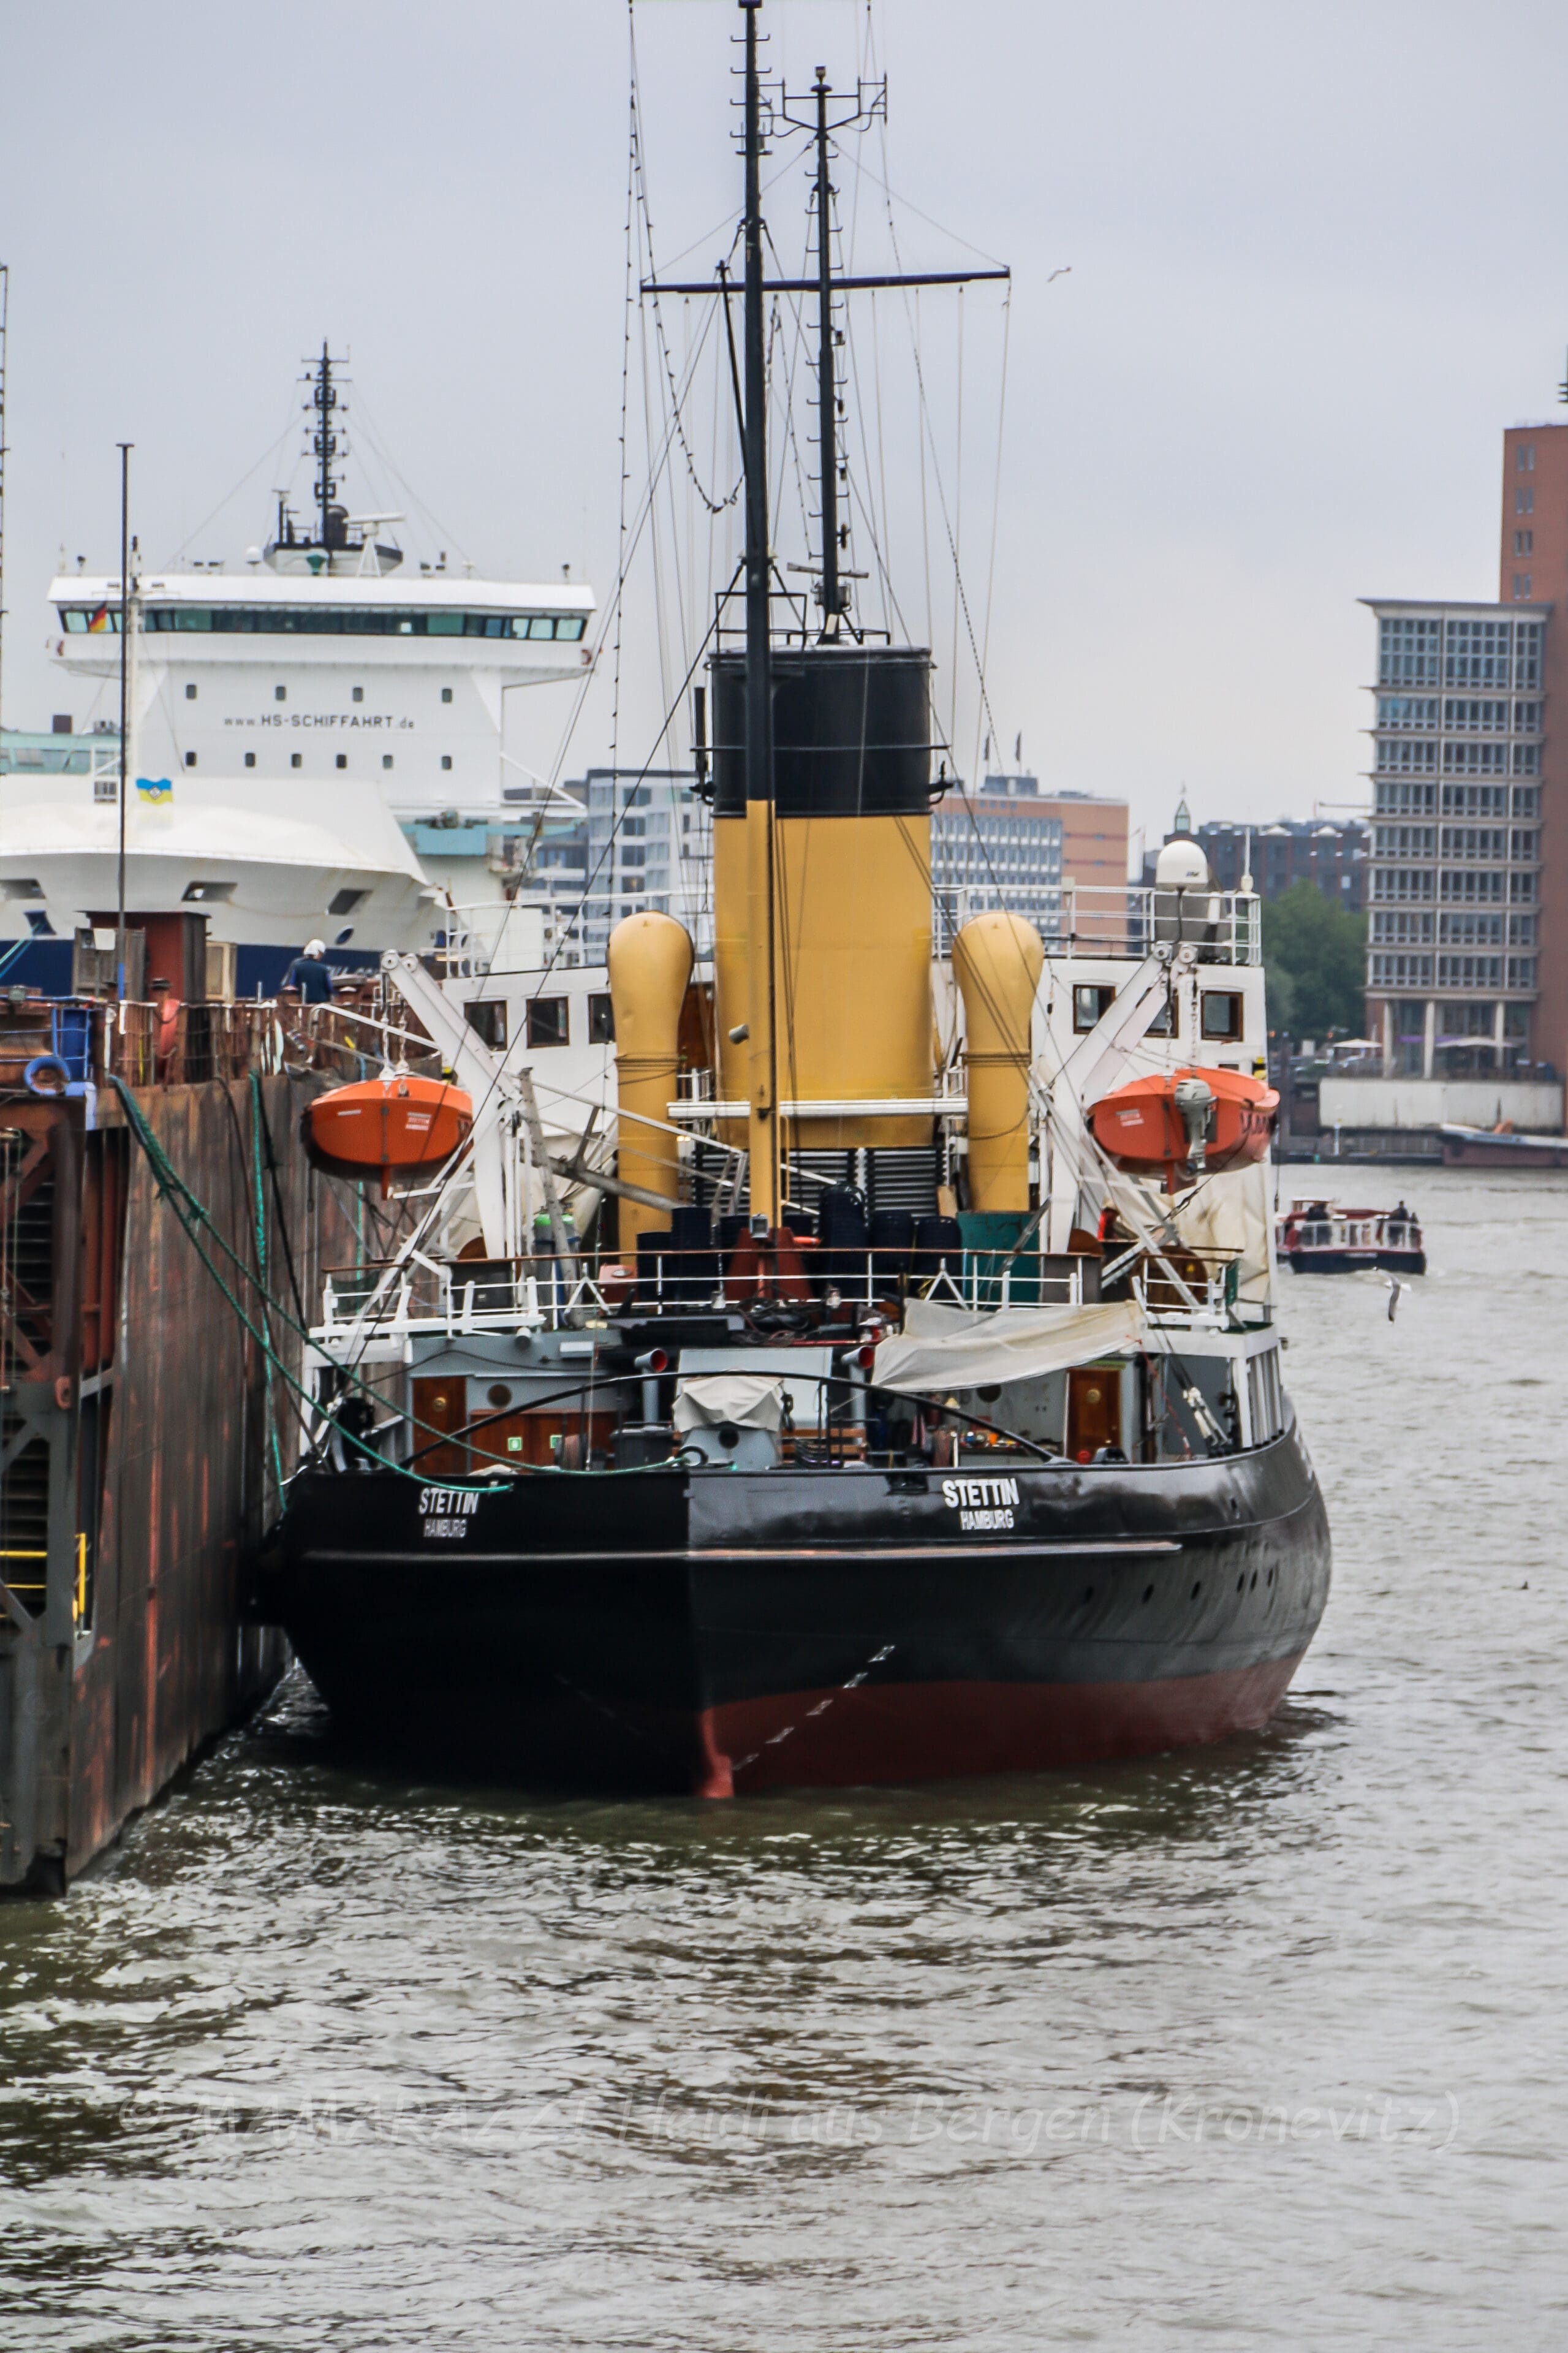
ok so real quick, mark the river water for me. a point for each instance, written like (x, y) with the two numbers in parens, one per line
(1262, 2044)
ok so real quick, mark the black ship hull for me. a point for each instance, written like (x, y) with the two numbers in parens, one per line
(725, 1632)
(1357, 1261)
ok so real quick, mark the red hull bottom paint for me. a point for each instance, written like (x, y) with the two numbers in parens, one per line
(923, 1732)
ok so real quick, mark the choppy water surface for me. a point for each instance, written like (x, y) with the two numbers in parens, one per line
(1263, 2044)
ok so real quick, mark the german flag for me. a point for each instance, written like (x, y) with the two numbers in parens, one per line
(98, 620)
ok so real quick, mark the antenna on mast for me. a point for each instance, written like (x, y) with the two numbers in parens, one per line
(870, 103)
(762, 1126)
(326, 444)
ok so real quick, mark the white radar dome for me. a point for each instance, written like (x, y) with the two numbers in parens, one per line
(1181, 866)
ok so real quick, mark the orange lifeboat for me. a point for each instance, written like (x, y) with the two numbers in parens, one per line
(1189, 1123)
(378, 1125)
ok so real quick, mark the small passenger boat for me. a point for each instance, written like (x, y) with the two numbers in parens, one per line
(1321, 1238)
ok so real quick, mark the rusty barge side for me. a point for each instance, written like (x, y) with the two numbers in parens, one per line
(137, 1416)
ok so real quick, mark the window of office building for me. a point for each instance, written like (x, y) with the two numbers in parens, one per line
(1525, 543)
(1406, 756)
(1407, 711)
(1523, 846)
(1521, 972)
(1400, 971)
(1469, 928)
(1527, 759)
(1466, 888)
(1395, 799)
(1408, 652)
(1521, 931)
(1472, 715)
(1527, 649)
(1526, 715)
(1524, 501)
(1522, 890)
(1474, 759)
(1477, 653)
(1474, 842)
(1527, 800)
(1401, 883)
(1407, 928)
(1474, 800)
(1524, 457)
(1469, 972)
(1404, 840)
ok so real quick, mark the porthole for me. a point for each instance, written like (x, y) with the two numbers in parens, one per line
(1148, 1593)
(1255, 1580)
(1197, 1590)
(1241, 1580)
(499, 1395)
(1088, 1595)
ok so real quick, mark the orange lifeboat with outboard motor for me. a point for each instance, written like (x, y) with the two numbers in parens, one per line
(380, 1125)
(1186, 1123)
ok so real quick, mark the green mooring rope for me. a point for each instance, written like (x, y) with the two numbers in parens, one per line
(261, 1274)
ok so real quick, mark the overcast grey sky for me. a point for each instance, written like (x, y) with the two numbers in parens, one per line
(1316, 265)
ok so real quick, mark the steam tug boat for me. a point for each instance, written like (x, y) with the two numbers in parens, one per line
(924, 1416)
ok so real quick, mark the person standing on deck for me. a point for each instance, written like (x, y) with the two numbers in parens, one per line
(312, 974)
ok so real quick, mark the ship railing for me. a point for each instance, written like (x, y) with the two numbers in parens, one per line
(547, 1292)
(1197, 1290)
(1101, 919)
(536, 1294)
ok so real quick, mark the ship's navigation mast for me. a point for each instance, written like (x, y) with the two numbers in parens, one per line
(870, 103)
(325, 444)
(762, 1134)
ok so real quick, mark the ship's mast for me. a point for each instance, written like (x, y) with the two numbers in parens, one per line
(826, 374)
(324, 446)
(763, 1136)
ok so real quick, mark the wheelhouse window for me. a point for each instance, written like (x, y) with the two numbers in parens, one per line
(547, 1021)
(487, 1019)
(1089, 1003)
(1221, 1013)
(333, 620)
(601, 1021)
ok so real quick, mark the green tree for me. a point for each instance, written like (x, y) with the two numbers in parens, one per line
(1315, 951)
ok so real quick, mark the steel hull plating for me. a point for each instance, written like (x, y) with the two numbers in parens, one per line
(729, 1632)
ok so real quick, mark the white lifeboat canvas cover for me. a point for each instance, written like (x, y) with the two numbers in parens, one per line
(944, 1348)
(751, 1401)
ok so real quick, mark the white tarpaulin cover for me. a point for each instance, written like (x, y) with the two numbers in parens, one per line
(945, 1348)
(751, 1401)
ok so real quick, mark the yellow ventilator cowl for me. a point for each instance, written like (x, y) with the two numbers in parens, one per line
(650, 959)
(997, 960)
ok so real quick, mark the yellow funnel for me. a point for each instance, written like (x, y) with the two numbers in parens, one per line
(650, 958)
(997, 960)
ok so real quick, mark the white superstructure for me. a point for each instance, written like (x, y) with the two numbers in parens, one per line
(294, 726)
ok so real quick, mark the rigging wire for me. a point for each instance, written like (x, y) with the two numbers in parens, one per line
(274, 449)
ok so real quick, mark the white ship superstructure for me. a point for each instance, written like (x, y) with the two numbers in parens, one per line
(291, 723)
